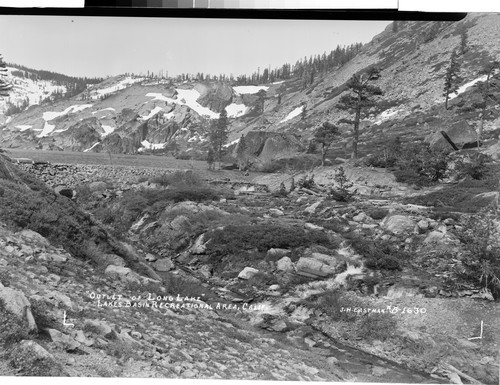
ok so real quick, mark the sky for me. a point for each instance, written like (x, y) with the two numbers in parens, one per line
(102, 46)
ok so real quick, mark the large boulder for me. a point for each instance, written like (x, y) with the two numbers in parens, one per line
(122, 273)
(16, 303)
(33, 360)
(460, 133)
(63, 340)
(398, 224)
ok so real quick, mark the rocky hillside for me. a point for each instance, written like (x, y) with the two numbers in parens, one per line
(253, 284)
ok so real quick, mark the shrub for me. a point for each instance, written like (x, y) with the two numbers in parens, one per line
(379, 254)
(342, 191)
(380, 326)
(178, 178)
(475, 167)
(234, 240)
(298, 163)
(335, 302)
(377, 213)
(413, 178)
(306, 182)
(480, 263)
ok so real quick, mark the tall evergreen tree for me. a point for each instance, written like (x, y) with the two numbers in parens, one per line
(361, 95)
(262, 94)
(218, 135)
(325, 135)
(241, 153)
(451, 79)
(463, 41)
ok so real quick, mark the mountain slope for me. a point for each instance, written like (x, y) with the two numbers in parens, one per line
(175, 116)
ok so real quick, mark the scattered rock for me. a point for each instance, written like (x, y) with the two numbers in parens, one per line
(398, 224)
(313, 268)
(98, 186)
(199, 246)
(423, 225)
(361, 217)
(125, 274)
(311, 226)
(33, 236)
(164, 264)
(62, 340)
(285, 264)
(276, 212)
(247, 273)
(312, 208)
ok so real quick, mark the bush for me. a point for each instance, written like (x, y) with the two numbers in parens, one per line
(341, 192)
(475, 167)
(377, 213)
(376, 326)
(299, 163)
(233, 241)
(306, 182)
(178, 178)
(413, 178)
(480, 263)
(334, 303)
(381, 255)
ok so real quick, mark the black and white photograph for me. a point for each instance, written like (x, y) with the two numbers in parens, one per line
(265, 199)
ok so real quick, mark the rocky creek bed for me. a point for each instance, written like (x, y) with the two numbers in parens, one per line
(294, 338)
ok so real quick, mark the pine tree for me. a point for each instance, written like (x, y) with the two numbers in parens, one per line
(488, 67)
(210, 158)
(303, 113)
(361, 95)
(261, 100)
(5, 86)
(241, 153)
(451, 79)
(463, 41)
(325, 135)
(218, 135)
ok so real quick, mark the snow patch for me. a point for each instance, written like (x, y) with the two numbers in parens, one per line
(47, 129)
(385, 115)
(152, 113)
(90, 148)
(293, 114)
(104, 109)
(107, 129)
(186, 98)
(24, 127)
(280, 82)
(249, 89)
(233, 142)
(122, 84)
(152, 146)
(50, 115)
(234, 110)
(463, 88)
